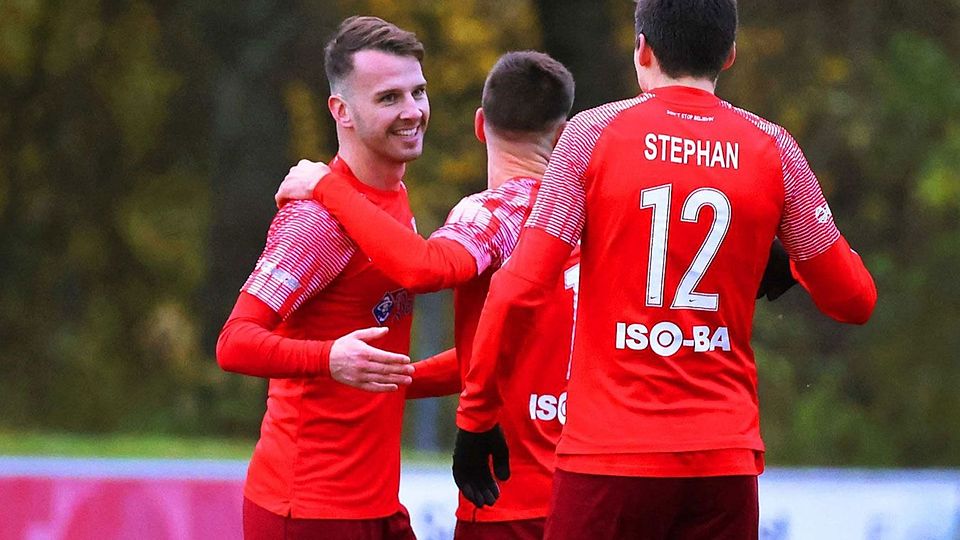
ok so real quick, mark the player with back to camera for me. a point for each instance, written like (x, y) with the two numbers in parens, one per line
(674, 197)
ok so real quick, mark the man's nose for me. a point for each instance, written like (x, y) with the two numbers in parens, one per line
(411, 109)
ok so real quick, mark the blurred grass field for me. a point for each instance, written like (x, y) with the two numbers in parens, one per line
(14, 443)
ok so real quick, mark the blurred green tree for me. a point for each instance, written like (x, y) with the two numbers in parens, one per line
(141, 143)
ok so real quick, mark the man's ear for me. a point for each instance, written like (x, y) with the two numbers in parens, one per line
(643, 54)
(339, 110)
(478, 123)
(730, 57)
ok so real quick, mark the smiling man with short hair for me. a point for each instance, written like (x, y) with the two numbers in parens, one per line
(327, 464)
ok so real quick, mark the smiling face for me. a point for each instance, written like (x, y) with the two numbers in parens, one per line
(383, 106)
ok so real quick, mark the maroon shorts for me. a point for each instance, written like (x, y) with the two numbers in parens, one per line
(521, 529)
(261, 524)
(643, 508)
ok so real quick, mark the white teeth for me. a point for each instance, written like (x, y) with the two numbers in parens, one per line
(406, 132)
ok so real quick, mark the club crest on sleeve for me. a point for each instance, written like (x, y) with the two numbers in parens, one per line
(396, 304)
(823, 213)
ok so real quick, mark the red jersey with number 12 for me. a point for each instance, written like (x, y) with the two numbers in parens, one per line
(685, 194)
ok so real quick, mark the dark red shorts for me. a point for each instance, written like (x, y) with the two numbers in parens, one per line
(261, 524)
(642, 508)
(521, 529)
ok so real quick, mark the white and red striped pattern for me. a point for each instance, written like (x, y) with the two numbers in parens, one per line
(306, 250)
(559, 209)
(806, 227)
(487, 224)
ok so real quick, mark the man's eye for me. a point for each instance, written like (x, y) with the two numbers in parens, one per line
(419, 92)
(389, 98)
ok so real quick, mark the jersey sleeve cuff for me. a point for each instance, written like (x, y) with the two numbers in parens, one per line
(475, 423)
(323, 358)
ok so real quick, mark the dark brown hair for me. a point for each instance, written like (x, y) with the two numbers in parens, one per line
(366, 33)
(689, 37)
(527, 92)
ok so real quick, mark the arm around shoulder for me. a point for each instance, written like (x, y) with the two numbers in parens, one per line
(400, 253)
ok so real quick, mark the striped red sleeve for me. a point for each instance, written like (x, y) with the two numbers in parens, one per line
(561, 202)
(400, 253)
(488, 223)
(306, 249)
(833, 274)
(436, 376)
(806, 225)
(247, 345)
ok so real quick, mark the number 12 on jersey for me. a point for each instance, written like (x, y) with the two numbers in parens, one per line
(658, 200)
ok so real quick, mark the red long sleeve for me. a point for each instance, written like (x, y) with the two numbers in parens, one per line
(416, 263)
(839, 283)
(436, 376)
(516, 291)
(248, 345)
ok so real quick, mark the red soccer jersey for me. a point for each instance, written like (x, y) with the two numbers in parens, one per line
(534, 397)
(678, 196)
(483, 229)
(327, 450)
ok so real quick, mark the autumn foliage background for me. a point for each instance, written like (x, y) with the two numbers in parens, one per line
(141, 143)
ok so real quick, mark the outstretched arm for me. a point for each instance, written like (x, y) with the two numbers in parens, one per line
(248, 345)
(436, 376)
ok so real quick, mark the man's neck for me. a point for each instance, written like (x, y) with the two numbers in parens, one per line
(512, 159)
(660, 80)
(371, 169)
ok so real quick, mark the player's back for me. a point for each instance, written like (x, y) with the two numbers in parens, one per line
(684, 195)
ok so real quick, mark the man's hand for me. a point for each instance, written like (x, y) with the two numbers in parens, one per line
(355, 363)
(777, 277)
(300, 181)
(471, 464)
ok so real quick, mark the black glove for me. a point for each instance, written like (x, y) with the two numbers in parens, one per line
(777, 277)
(471, 464)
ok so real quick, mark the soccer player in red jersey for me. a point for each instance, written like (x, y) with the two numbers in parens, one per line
(675, 197)
(480, 232)
(526, 99)
(327, 464)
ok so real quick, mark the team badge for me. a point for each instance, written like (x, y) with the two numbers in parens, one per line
(396, 304)
(823, 213)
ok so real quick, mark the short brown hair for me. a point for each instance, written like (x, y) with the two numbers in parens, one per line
(527, 92)
(366, 33)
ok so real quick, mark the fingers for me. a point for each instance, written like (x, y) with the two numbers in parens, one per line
(381, 373)
(501, 463)
(488, 491)
(369, 334)
(380, 378)
(479, 488)
(378, 387)
(387, 358)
